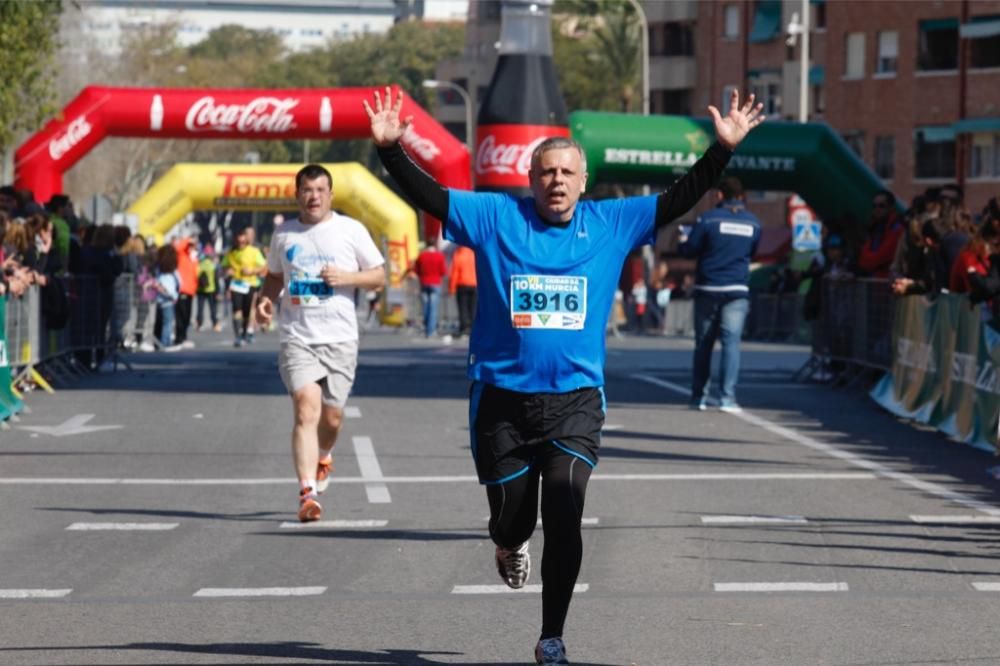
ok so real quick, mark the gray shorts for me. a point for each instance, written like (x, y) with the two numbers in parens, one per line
(331, 366)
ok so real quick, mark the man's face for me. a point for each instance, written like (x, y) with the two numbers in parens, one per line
(241, 240)
(557, 181)
(314, 197)
(880, 207)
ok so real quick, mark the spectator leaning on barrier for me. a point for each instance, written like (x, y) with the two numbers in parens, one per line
(972, 260)
(987, 287)
(884, 231)
(462, 285)
(723, 240)
(60, 210)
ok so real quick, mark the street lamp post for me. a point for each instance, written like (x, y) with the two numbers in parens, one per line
(434, 84)
(802, 28)
(644, 24)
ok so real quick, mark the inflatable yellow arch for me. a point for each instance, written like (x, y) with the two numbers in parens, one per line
(249, 187)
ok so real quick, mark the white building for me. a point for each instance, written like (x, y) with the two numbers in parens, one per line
(303, 24)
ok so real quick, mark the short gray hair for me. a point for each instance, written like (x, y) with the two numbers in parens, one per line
(557, 143)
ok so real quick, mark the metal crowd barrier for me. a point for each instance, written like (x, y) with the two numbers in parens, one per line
(853, 335)
(96, 319)
(775, 318)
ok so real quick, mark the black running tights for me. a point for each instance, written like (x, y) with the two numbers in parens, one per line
(514, 512)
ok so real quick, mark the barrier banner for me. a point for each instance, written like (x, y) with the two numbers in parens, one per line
(944, 369)
(9, 404)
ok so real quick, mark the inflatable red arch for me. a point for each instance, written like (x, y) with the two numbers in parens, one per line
(189, 113)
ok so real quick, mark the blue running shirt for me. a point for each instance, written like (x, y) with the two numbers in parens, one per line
(544, 292)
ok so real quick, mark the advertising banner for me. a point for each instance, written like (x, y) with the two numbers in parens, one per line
(944, 370)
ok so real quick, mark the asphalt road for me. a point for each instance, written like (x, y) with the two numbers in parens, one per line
(148, 518)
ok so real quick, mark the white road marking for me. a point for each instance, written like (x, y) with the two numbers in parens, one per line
(259, 591)
(230, 481)
(197, 416)
(612, 426)
(351, 412)
(736, 520)
(987, 587)
(956, 520)
(934, 489)
(503, 589)
(584, 521)
(371, 472)
(781, 587)
(334, 524)
(33, 594)
(74, 425)
(122, 526)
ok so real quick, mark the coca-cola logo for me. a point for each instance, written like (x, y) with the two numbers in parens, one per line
(426, 149)
(505, 158)
(263, 114)
(74, 134)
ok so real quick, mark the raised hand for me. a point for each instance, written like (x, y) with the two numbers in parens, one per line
(732, 128)
(387, 128)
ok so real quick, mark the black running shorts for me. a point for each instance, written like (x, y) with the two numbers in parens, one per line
(507, 427)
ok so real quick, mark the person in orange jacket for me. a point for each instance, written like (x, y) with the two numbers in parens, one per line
(187, 268)
(462, 285)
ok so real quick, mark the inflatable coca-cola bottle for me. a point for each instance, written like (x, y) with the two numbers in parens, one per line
(523, 104)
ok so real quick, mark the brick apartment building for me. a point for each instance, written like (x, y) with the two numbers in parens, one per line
(913, 86)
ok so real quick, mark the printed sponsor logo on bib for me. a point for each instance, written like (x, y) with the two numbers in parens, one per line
(556, 302)
(240, 286)
(307, 290)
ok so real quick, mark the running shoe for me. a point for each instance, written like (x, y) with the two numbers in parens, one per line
(323, 471)
(309, 507)
(514, 565)
(550, 651)
(730, 406)
(699, 405)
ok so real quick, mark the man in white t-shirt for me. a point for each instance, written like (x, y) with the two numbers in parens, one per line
(315, 264)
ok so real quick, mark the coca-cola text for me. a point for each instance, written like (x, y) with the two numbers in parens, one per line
(74, 134)
(263, 114)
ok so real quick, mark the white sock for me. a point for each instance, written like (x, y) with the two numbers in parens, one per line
(308, 483)
(325, 455)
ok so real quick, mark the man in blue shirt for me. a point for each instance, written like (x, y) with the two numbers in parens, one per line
(724, 240)
(547, 267)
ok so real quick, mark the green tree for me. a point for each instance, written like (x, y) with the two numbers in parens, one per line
(597, 52)
(28, 33)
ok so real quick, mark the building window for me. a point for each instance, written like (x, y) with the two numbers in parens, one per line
(671, 39)
(885, 157)
(984, 50)
(731, 29)
(856, 142)
(819, 99)
(817, 16)
(671, 102)
(768, 93)
(984, 156)
(888, 52)
(937, 46)
(934, 150)
(854, 62)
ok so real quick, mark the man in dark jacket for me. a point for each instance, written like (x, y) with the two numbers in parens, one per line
(723, 240)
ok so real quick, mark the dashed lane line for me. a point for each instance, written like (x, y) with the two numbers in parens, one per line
(33, 594)
(371, 471)
(334, 524)
(956, 520)
(221, 592)
(781, 587)
(933, 489)
(503, 589)
(125, 527)
(743, 520)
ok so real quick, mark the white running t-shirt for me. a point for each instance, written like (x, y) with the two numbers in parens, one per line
(311, 311)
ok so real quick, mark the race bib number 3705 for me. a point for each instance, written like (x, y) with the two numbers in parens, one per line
(548, 301)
